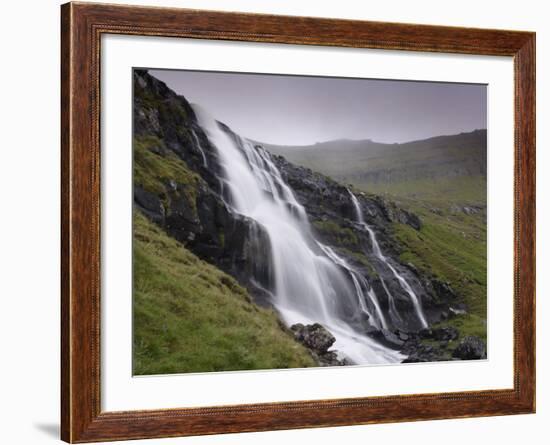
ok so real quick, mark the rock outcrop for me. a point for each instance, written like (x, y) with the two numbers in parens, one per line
(471, 348)
(318, 340)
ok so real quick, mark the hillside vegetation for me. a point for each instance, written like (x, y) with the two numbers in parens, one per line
(457, 164)
(443, 181)
(191, 317)
(204, 274)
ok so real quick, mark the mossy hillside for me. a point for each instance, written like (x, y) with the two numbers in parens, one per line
(155, 167)
(191, 317)
(451, 250)
(437, 191)
(452, 247)
(341, 236)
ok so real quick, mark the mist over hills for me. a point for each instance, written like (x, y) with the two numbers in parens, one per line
(381, 167)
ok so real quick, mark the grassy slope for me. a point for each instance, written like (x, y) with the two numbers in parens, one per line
(188, 315)
(371, 163)
(439, 192)
(191, 317)
(451, 245)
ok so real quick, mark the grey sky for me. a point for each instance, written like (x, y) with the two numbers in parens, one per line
(298, 110)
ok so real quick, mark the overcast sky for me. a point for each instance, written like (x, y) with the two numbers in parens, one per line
(300, 110)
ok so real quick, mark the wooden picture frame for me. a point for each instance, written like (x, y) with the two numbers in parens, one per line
(82, 26)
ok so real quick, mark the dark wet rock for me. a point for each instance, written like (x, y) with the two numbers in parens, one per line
(393, 213)
(425, 333)
(313, 336)
(387, 338)
(413, 268)
(318, 340)
(330, 358)
(468, 210)
(471, 348)
(425, 354)
(403, 336)
(443, 290)
(436, 210)
(409, 218)
(150, 204)
(447, 333)
(417, 351)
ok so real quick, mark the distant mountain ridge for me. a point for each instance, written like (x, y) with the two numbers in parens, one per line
(365, 162)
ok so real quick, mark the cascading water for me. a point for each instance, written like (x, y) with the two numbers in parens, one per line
(310, 282)
(199, 146)
(359, 283)
(402, 281)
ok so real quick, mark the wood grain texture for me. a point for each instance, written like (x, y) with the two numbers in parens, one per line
(82, 27)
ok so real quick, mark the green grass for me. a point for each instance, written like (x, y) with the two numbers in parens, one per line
(436, 191)
(451, 246)
(191, 317)
(342, 235)
(153, 171)
(469, 324)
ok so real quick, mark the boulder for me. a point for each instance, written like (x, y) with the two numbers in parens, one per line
(471, 348)
(313, 336)
(443, 290)
(330, 358)
(445, 334)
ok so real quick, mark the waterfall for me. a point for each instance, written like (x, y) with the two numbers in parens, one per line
(199, 146)
(401, 280)
(359, 283)
(310, 282)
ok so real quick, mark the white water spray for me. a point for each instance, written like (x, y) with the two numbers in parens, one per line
(402, 281)
(310, 284)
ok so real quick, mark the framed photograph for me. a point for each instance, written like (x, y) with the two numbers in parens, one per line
(275, 222)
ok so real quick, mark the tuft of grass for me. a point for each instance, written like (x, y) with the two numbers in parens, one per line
(191, 317)
(453, 250)
(342, 235)
(468, 324)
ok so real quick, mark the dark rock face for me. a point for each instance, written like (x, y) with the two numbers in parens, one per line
(198, 216)
(471, 348)
(204, 223)
(150, 204)
(388, 338)
(332, 214)
(417, 350)
(439, 344)
(441, 334)
(443, 290)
